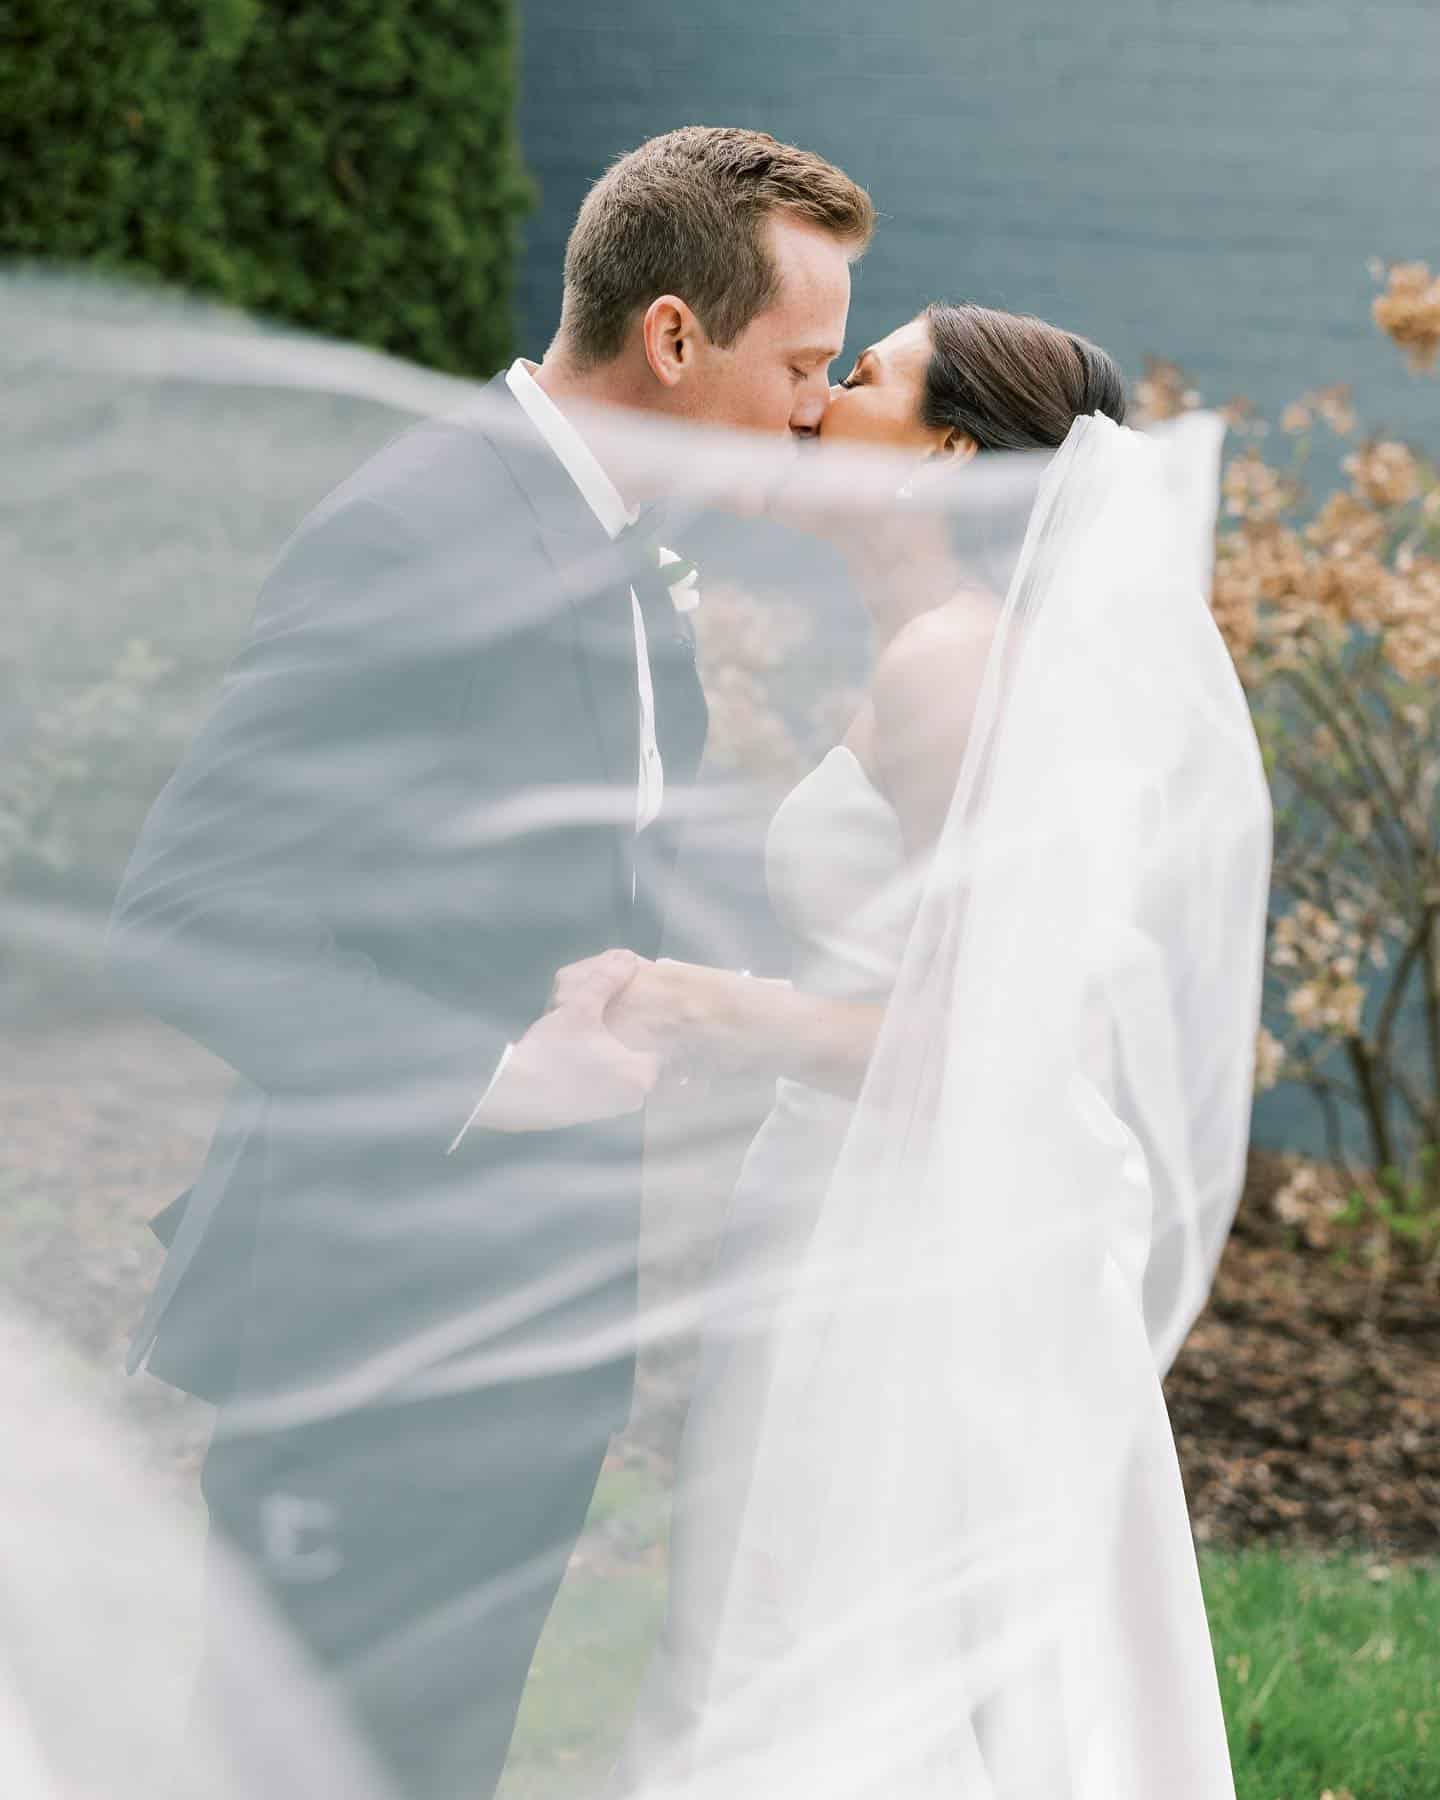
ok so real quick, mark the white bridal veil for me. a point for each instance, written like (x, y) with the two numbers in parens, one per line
(961, 1564)
(98, 1623)
(964, 1566)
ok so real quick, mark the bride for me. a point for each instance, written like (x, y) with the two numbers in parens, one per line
(929, 1535)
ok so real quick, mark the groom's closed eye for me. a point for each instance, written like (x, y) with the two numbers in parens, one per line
(814, 361)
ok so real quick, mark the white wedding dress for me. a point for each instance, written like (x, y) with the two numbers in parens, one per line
(834, 872)
(838, 883)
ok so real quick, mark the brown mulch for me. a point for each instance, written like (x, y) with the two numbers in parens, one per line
(1306, 1403)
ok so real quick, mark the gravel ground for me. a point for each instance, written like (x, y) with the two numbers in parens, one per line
(1306, 1403)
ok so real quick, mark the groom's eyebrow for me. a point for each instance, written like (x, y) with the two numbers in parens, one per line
(819, 353)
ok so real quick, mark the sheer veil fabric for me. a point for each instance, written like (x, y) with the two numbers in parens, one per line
(98, 1628)
(961, 1563)
(965, 1566)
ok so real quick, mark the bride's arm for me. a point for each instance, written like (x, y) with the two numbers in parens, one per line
(726, 1022)
(924, 693)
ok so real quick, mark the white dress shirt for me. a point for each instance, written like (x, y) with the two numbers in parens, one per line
(602, 497)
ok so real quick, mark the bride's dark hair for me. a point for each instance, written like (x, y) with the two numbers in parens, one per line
(1012, 382)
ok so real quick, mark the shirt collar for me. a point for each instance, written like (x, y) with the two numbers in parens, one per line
(571, 450)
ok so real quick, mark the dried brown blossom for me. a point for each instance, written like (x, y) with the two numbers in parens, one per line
(742, 641)
(1235, 596)
(1335, 407)
(1162, 392)
(1412, 635)
(1242, 419)
(1269, 1060)
(1256, 491)
(1384, 473)
(1278, 560)
(1331, 404)
(1352, 586)
(1311, 1199)
(1408, 312)
(1326, 955)
(1346, 525)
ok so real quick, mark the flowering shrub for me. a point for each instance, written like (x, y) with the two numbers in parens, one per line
(742, 644)
(765, 728)
(1331, 609)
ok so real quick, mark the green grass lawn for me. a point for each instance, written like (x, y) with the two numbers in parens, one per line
(1329, 1668)
(1330, 1674)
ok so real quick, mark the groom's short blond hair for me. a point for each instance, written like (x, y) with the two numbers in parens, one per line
(684, 214)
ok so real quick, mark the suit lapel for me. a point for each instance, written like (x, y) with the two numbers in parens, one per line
(601, 630)
(681, 715)
(591, 579)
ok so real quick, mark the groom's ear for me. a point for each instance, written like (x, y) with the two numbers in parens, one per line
(671, 334)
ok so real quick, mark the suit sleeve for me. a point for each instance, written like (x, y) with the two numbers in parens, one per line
(278, 902)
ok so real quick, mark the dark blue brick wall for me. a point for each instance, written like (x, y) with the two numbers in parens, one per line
(1202, 180)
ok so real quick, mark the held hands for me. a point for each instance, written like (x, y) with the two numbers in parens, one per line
(689, 1019)
(695, 1019)
(570, 1068)
(651, 1012)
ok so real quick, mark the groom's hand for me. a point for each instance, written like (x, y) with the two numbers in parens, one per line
(645, 1011)
(569, 1069)
(624, 967)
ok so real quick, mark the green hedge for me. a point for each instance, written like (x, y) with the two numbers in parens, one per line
(106, 154)
(347, 165)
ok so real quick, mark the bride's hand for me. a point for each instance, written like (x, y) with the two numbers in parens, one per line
(659, 1009)
(698, 1020)
(650, 1011)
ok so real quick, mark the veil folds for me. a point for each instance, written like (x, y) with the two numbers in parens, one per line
(98, 1642)
(964, 1419)
(1024, 1219)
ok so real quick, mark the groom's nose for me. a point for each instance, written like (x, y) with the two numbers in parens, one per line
(809, 409)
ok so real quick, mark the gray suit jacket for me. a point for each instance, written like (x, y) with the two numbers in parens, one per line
(413, 802)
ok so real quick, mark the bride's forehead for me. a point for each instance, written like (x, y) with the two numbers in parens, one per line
(908, 343)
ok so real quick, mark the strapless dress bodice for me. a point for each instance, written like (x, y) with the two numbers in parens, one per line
(836, 875)
(840, 886)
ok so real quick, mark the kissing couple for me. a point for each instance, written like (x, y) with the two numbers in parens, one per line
(410, 882)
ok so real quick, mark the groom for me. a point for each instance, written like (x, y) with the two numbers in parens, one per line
(436, 775)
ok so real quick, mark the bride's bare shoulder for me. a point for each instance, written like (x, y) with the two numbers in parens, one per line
(924, 691)
(937, 656)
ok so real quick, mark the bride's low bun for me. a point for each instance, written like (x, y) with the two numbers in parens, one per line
(1011, 382)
